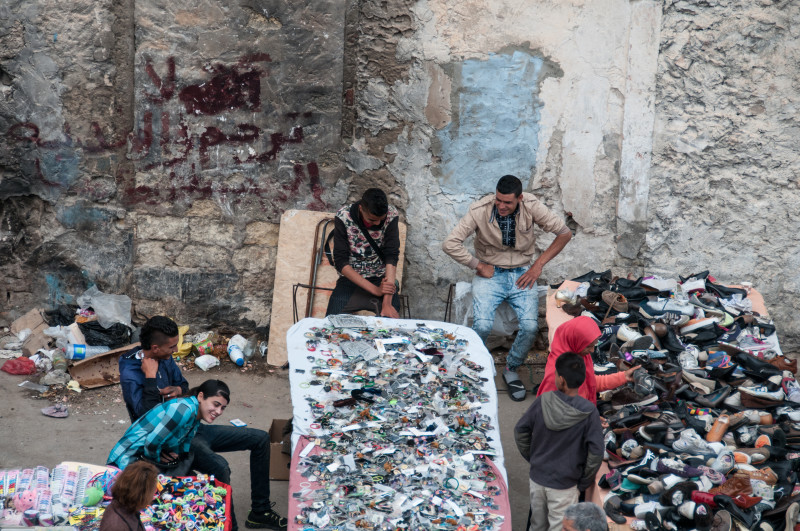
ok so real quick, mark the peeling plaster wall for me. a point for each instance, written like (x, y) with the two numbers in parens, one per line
(151, 148)
(534, 89)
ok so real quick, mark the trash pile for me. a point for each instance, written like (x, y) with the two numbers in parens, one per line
(398, 433)
(45, 341)
(74, 347)
(708, 436)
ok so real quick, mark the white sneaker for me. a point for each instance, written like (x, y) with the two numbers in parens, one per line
(690, 442)
(687, 360)
(661, 284)
(661, 306)
(792, 413)
(735, 400)
(763, 392)
(626, 333)
(693, 284)
(792, 390)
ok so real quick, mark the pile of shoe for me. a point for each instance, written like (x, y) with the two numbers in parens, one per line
(708, 434)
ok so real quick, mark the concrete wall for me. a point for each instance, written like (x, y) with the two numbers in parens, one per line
(151, 149)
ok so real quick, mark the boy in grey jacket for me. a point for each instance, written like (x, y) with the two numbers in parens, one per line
(561, 436)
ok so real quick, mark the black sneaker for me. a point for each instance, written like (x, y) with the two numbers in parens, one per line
(267, 520)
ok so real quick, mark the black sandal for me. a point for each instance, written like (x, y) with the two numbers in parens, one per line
(516, 391)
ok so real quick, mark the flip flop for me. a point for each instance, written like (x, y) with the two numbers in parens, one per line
(58, 411)
(516, 391)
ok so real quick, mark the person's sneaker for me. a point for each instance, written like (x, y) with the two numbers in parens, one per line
(267, 520)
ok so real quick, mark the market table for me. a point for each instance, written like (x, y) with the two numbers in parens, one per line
(421, 440)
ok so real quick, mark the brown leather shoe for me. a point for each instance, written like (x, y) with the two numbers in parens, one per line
(784, 363)
(660, 329)
(735, 485)
(572, 309)
(765, 474)
(648, 331)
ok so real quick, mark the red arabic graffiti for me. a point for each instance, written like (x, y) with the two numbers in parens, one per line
(172, 134)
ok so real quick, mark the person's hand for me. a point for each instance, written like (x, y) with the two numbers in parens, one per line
(387, 287)
(167, 457)
(603, 422)
(629, 373)
(375, 290)
(172, 391)
(149, 367)
(387, 310)
(484, 270)
(529, 277)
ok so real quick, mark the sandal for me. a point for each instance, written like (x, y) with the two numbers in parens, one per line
(516, 391)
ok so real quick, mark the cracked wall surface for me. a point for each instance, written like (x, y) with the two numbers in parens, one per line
(724, 185)
(494, 88)
(151, 148)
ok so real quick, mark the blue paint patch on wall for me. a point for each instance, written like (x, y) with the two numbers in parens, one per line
(495, 124)
(81, 216)
(55, 292)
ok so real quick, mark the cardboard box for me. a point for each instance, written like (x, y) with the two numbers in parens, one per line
(278, 461)
(33, 321)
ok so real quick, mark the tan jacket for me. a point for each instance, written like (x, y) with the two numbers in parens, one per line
(488, 243)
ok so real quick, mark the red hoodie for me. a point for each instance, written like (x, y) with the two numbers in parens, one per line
(574, 336)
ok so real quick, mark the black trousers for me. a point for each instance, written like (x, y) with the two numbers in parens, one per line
(349, 298)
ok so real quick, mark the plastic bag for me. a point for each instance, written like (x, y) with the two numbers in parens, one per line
(21, 365)
(65, 335)
(206, 361)
(115, 336)
(64, 315)
(505, 319)
(110, 309)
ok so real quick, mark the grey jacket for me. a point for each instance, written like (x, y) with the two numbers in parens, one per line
(562, 438)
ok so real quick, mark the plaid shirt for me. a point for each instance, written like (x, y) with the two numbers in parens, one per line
(170, 427)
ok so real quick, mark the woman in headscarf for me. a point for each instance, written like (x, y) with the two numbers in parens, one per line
(580, 335)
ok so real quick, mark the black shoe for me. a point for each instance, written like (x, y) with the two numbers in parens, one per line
(746, 517)
(611, 508)
(267, 520)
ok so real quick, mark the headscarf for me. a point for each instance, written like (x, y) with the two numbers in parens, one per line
(573, 336)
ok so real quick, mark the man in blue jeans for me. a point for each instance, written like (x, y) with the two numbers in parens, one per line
(504, 264)
(149, 376)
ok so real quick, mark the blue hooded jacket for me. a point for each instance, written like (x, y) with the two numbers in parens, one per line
(140, 393)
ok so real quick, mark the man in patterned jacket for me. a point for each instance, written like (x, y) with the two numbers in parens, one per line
(366, 247)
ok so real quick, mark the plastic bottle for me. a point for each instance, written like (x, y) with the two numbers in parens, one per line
(59, 361)
(236, 346)
(79, 352)
(250, 347)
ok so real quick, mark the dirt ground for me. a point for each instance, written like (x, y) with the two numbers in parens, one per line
(260, 393)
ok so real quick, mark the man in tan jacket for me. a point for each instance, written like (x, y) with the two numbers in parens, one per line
(504, 249)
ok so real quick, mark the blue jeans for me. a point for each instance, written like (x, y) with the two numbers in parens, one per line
(211, 439)
(489, 293)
